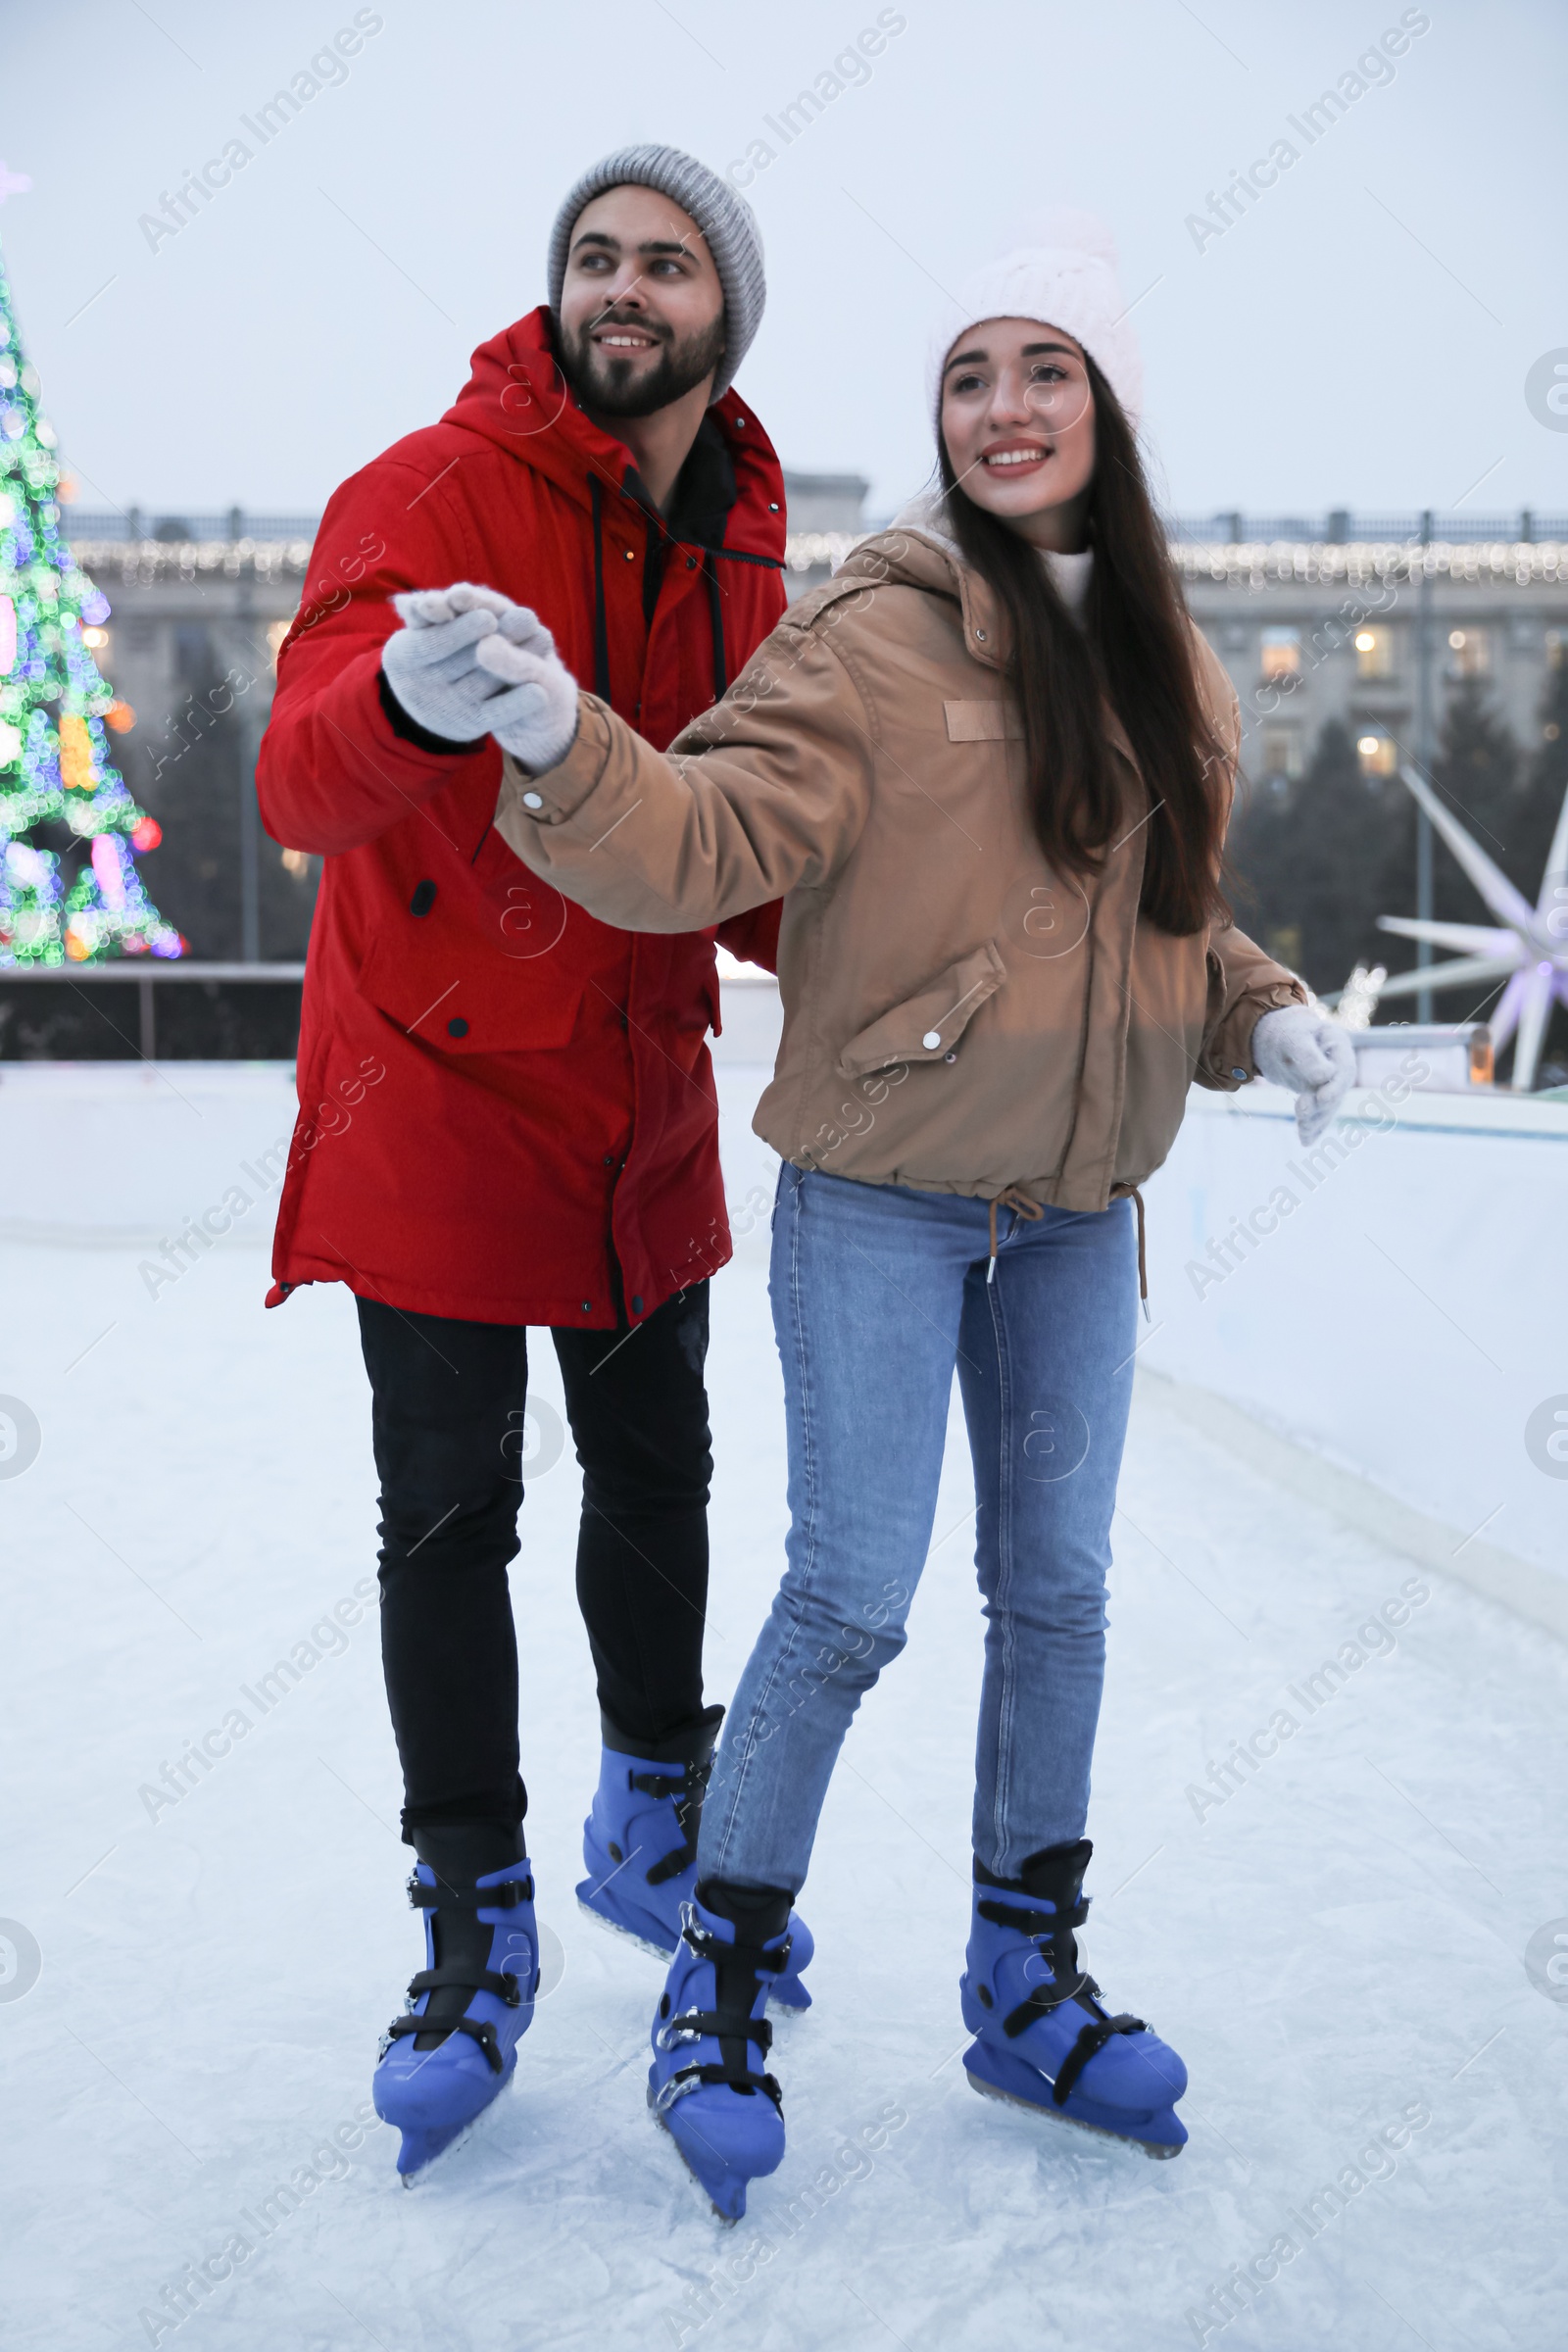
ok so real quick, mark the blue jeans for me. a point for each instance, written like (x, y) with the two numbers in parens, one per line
(878, 1293)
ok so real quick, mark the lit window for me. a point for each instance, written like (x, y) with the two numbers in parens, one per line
(1469, 653)
(1379, 754)
(1282, 652)
(1374, 653)
(1282, 752)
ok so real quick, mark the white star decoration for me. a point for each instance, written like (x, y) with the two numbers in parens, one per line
(12, 183)
(1531, 954)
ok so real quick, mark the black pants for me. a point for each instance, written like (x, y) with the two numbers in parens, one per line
(449, 1433)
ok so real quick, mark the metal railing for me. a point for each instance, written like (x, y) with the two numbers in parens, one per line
(1340, 527)
(1344, 529)
(146, 978)
(182, 527)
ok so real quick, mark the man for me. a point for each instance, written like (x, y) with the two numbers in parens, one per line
(507, 1109)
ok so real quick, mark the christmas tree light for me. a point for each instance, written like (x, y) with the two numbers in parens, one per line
(69, 831)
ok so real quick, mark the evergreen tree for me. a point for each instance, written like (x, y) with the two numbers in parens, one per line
(1477, 772)
(69, 831)
(1541, 805)
(1310, 862)
(1546, 781)
(1509, 804)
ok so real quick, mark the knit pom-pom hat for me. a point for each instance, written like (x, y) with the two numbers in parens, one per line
(1064, 274)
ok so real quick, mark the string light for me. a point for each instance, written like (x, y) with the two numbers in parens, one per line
(70, 830)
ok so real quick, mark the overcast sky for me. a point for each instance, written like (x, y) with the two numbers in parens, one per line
(1360, 335)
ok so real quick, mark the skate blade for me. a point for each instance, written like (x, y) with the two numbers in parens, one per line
(421, 2147)
(709, 2204)
(644, 1944)
(1158, 2148)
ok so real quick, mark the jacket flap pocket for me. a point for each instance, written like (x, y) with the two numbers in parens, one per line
(469, 1004)
(925, 1027)
(990, 721)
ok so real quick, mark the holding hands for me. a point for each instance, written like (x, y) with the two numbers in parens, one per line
(468, 663)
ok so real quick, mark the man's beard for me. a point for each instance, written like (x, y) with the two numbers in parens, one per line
(617, 388)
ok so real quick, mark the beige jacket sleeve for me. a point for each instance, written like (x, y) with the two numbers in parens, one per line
(767, 793)
(1244, 983)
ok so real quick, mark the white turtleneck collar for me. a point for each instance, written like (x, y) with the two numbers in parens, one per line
(1071, 576)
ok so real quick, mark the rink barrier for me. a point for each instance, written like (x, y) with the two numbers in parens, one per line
(1527, 1591)
(147, 976)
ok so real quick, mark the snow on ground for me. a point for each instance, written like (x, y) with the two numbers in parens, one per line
(1337, 1946)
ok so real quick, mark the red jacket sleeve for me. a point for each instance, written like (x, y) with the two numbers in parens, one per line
(331, 772)
(754, 937)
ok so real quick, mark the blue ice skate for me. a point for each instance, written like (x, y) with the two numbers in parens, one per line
(1043, 2037)
(442, 2063)
(711, 2041)
(639, 1848)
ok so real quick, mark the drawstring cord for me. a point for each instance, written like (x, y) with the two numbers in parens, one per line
(716, 623)
(1012, 1197)
(1137, 1198)
(601, 622)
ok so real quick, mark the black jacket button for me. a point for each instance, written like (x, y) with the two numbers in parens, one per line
(636, 1306)
(423, 899)
(458, 1027)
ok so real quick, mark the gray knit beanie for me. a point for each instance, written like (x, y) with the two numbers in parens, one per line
(723, 216)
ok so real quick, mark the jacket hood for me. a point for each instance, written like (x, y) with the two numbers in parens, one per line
(927, 514)
(917, 549)
(517, 398)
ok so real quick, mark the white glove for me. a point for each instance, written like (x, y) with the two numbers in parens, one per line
(429, 663)
(536, 721)
(1312, 1058)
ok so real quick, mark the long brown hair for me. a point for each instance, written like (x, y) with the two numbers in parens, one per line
(1135, 649)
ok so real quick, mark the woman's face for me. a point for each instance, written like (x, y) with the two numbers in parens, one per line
(1018, 419)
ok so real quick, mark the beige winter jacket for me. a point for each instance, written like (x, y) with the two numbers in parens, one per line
(957, 1017)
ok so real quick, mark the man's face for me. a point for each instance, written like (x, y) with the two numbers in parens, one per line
(642, 312)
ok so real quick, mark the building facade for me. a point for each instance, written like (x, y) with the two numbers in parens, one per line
(1374, 632)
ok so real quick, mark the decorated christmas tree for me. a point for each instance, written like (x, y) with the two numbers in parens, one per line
(69, 832)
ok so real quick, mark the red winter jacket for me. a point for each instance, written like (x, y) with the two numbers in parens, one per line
(506, 1104)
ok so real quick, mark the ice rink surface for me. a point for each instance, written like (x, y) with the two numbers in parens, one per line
(1337, 1945)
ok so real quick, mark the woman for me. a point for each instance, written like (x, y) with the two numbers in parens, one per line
(987, 769)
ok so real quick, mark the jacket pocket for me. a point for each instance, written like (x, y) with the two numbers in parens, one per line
(990, 721)
(468, 1004)
(927, 1026)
